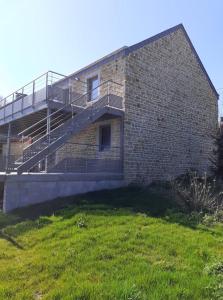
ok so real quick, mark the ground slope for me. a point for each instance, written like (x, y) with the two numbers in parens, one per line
(108, 245)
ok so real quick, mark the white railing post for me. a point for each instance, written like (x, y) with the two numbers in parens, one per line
(47, 86)
(4, 108)
(70, 91)
(48, 135)
(108, 92)
(72, 111)
(33, 99)
(22, 100)
(13, 99)
(7, 162)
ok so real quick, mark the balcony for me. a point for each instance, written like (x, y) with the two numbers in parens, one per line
(33, 97)
(54, 91)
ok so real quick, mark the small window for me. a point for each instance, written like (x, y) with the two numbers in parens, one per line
(93, 90)
(65, 96)
(104, 137)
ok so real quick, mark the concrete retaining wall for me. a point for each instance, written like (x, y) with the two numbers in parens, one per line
(28, 189)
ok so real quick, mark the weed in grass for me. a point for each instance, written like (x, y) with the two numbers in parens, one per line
(82, 222)
(203, 254)
(215, 269)
(196, 193)
(215, 289)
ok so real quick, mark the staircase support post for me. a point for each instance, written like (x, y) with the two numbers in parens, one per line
(48, 134)
(108, 92)
(7, 162)
(122, 145)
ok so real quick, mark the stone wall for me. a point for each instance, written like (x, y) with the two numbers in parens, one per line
(85, 145)
(170, 111)
(16, 151)
(113, 70)
(16, 148)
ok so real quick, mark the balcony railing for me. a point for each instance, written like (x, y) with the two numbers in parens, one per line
(30, 95)
(114, 98)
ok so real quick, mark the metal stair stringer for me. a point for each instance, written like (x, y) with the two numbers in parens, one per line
(70, 127)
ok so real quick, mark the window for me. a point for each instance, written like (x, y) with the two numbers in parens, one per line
(66, 95)
(93, 90)
(104, 137)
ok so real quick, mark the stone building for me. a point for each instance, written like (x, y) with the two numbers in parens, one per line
(142, 113)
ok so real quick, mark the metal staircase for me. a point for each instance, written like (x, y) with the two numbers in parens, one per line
(57, 129)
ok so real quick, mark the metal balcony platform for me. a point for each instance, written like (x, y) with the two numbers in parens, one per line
(37, 95)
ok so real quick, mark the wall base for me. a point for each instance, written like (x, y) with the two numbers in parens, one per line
(28, 189)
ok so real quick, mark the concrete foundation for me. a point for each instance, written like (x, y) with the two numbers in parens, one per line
(28, 189)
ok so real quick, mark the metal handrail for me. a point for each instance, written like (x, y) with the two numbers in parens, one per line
(21, 89)
(44, 132)
(44, 74)
(68, 105)
(52, 121)
(47, 134)
(42, 136)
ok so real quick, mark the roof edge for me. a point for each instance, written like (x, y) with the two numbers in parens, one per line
(109, 57)
(152, 39)
(124, 51)
(127, 50)
(200, 62)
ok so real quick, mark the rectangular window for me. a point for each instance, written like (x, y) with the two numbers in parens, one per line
(93, 89)
(65, 96)
(104, 137)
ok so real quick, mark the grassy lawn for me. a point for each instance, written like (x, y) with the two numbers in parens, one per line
(109, 245)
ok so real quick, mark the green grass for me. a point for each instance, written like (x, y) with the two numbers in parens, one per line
(123, 244)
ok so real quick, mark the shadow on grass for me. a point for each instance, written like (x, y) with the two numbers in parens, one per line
(153, 201)
(10, 239)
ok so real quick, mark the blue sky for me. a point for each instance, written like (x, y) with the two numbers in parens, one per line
(65, 35)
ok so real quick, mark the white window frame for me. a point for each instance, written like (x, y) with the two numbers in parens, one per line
(89, 76)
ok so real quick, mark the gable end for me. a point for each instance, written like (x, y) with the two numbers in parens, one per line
(165, 33)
